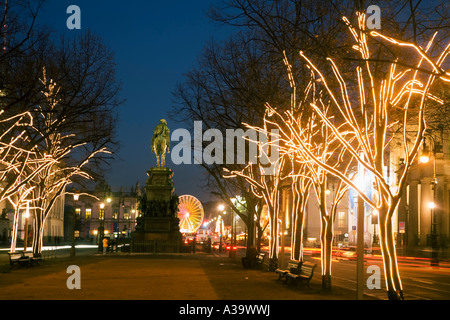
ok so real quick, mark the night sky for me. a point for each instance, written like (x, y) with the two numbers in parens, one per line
(155, 43)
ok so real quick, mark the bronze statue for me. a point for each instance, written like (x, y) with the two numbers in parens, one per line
(161, 142)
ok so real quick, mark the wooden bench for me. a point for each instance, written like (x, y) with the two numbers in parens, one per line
(305, 273)
(18, 258)
(33, 259)
(293, 266)
(260, 260)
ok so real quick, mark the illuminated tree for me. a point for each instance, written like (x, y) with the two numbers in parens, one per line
(66, 153)
(300, 186)
(16, 159)
(229, 86)
(266, 187)
(301, 130)
(363, 118)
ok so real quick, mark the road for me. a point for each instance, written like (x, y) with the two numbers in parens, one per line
(420, 280)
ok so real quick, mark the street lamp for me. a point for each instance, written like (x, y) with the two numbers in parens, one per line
(425, 158)
(72, 248)
(374, 222)
(221, 208)
(101, 229)
(27, 215)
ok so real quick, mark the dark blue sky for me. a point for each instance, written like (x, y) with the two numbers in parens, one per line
(155, 42)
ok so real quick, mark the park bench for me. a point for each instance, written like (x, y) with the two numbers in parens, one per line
(18, 258)
(304, 273)
(293, 266)
(33, 259)
(260, 260)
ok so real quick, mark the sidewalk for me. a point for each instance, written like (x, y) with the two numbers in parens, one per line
(124, 276)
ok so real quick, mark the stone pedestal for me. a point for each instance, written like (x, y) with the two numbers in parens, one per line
(159, 185)
(158, 223)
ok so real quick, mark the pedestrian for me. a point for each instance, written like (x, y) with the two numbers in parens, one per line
(105, 245)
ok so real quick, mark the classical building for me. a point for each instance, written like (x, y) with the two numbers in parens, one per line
(53, 229)
(116, 212)
(312, 227)
(423, 214)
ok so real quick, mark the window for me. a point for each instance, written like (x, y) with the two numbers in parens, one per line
(78, 212)
(88, 213)
(126, 214)
(101, 214)
(341, 219)
(116, 214)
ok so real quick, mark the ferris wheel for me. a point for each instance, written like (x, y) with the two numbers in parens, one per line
(190, 213)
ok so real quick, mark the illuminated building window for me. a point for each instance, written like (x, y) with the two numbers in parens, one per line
(78, 212)
(88, 213)
(341, 219)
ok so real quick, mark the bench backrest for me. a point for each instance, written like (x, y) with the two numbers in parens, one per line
(14, 255)
(307, 268)
(293, 265)
(261, 257)
(28, 254)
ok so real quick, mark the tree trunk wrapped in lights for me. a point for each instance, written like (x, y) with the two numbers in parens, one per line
(301, 186)
(57, 149)
(265, 179)
(364, 116)
(300, 131)
(266, 187)
(16, 159)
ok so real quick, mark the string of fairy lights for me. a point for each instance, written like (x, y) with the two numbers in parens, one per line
(362, 136)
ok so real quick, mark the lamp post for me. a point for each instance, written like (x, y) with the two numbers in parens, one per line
(101, 229)
(27, 215)
(221, 208)
(374, 222)
(72, 248)
(233, 233)
(360, 237)
(425, 158)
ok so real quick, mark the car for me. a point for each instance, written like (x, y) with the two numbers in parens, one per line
(215, 245)
(230, 247)
(189, 239)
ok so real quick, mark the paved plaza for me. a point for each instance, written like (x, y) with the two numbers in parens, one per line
(124, 276)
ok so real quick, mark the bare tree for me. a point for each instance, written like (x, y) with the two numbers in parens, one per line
(267, 187)
(228, 88)
(68, 158)
(364, 131)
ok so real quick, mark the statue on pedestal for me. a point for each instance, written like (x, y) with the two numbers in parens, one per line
(158, 224)
(161, 142)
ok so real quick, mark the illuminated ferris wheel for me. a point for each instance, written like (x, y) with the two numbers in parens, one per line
(190, 213)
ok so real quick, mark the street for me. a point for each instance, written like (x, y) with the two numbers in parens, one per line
(420, 280)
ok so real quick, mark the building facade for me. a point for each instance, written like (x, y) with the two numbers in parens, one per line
(53, 228)
(116, 212)
(423, 214)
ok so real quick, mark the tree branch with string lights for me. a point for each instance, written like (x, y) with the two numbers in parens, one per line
(386, 95)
